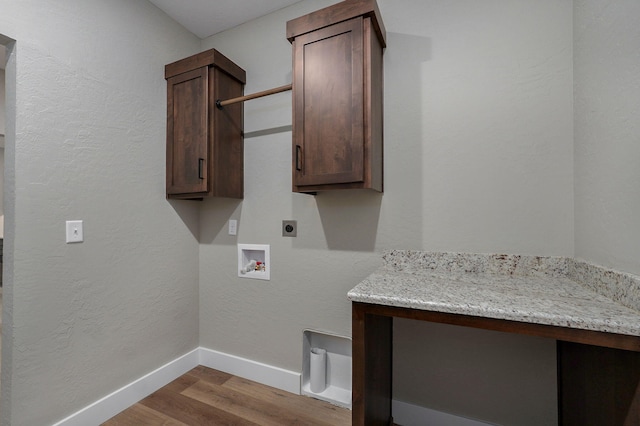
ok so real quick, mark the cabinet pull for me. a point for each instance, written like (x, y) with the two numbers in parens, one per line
(298, 157)
(201, 168)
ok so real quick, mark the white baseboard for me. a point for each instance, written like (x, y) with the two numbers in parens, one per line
(112, 404)
(258, 372)
(406, 414)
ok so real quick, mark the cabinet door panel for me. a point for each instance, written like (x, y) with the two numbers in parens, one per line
(328, 98)
(187, 147)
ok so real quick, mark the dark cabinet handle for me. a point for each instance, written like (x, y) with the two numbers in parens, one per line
(201, 168)
(298, 157)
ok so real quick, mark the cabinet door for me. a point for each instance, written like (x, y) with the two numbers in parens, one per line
(328, 105)
(187, 134)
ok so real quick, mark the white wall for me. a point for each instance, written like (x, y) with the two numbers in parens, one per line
(2, 108)
(2, 131)
(1, 193)
(86, 140)
(478, 158)
(607, 129)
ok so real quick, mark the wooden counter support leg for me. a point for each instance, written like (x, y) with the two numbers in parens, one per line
(372, 368)
(598, 386)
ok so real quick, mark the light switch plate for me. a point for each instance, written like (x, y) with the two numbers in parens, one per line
(233, 227)
(74, 231)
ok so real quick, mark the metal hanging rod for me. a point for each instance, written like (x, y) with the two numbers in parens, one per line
(221, 104)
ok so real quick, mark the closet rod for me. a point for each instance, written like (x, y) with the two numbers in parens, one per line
(220, 104)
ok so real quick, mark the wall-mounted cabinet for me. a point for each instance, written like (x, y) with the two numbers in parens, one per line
(205, 151)
(337, 109)
(337, 97)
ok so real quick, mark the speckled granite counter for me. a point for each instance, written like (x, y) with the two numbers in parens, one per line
(539, 290)
(592, 313)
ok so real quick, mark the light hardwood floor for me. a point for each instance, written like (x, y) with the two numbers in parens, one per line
(209, 397)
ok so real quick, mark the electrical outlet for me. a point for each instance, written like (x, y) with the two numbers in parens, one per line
(289, 228)
(233, 227)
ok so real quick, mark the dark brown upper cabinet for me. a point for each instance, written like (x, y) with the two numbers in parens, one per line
(337, 97)
(205, 151)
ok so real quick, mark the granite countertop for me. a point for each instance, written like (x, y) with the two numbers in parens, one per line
(532, 289)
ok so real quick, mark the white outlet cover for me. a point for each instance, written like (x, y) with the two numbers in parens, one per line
(75, 232)
(233, 227)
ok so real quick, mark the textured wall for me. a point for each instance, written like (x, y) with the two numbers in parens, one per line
(478, 158)
(2, 108)
(607, 129)
(87, 100)
(1, 192)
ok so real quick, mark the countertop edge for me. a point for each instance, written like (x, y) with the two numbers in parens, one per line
(600, 312)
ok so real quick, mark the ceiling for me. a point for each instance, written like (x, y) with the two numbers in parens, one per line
(207, 17)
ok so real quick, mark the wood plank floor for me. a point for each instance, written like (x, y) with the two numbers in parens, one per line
(209, 397)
